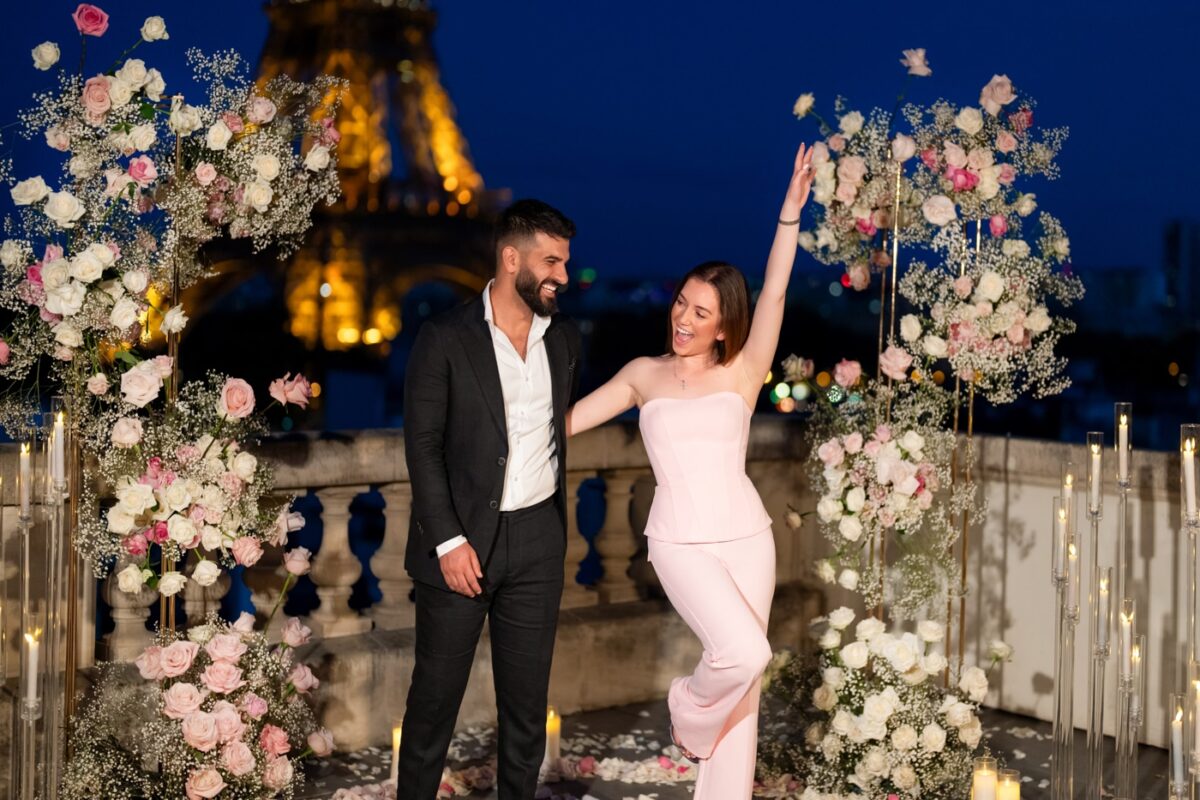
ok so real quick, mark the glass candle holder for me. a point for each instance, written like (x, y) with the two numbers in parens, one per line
(984, 779)
(1008, 785)
(1189, 440)
(1095, 473)
(1123, 441)
(1060, 538)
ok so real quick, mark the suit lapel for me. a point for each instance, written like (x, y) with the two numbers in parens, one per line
(481, 351)
(556, 354)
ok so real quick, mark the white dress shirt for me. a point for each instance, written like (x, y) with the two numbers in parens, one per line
(531, 466)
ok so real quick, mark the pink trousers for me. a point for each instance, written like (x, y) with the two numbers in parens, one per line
(723, 591)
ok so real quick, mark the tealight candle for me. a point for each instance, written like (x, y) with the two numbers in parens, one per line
(553, 734)
(984, 779)
(1008, 786)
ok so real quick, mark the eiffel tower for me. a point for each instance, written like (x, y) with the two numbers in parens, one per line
(414, 208)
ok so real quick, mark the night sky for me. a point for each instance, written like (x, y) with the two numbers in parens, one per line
(664, 128)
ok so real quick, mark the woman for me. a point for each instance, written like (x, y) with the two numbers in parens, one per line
(710, 537)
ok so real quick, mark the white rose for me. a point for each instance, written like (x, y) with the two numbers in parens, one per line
(855, 499)
(933, 738)
(868, 629)
(803, 105)
(850, 529)
(126, 432)
(969, 121)
(143, 136)
(206, 573)
(135, 281)
(120, 521)
(86, 267)
(244, 466)
(903, 147)
(971, 733)
(834, 677)
(875, 763)
(851, 123)
(12, 253)
(830, 639)
(174, 320)
(933, 663)
(989, 183)
(133, 73)
(1000, 650)
(177, 496)
(30, 191)
(848, 579)
(266, 166)
(939, 210)
(154, 88)
(824, 698)
(842, 722)
(991, 286)
(958, 714)
(826, 237)
(124, 314)
(134, 497)
(930, 630)
(67, 334)
(184, 119)
(854, 655)
(813, 735)
(66, 299)
(1061, 247)
(912, 442)
(807, 241)
(904, 737)
(935, 346)
(974, 682)
(141, 384)
(81, 167)
(904, 776)
(980, 158)
(910, 327)
(181, 530)
(170, 583)
(877, 708)
(829, 509)
(841, 618)
(218, 136)
(1038, 320)
(129, 580)
(317, 158)
(120, 92)
(1016, 248)
(1026, 204)
(831, 747)
(201, 634)
(64, 208)
(258, 194)
(58, 139)
(154, 29)
(211, 538)
(901, 655)
(826, 571)
(45, 55)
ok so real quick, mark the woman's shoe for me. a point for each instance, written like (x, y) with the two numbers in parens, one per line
(688, 754)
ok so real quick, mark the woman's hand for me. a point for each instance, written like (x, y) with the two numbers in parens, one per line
(801, 183)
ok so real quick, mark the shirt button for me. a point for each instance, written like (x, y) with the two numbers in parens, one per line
(500, 461)
(493, 504)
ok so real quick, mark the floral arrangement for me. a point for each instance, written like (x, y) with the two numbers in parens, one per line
(226, 718)
(875, 719)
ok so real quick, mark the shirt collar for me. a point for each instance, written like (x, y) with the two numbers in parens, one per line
(536, 331)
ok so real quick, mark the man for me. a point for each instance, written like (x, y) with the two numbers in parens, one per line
(487, 388)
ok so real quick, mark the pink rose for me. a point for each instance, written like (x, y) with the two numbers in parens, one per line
(587, 765)
(237, 758)
(246, 551)
(260, 110)
(244, 623)
(831, 453)
(229, 722)
(177, 658)
(297, 561)
(164, 365)
(1006, 142)
(852, 169)
(253, 706)
(274, 740)
(226, 647)
(330, 135)
(859, 275)
(200, 731)
(853, 443)
(233, 122)
(1007, 174)
(845, 193)
(872, 448)
(303, 679)
(295, 632)
(955, 155)
(963, 286)
(285, 523)
(1021, 121)
(187, 453)
(91, 21)
(203, 784)
(5, 352)
(206, 173)
(232, 484)
(149, 663)
(142, 170)
(883, 434)
(929, 158)
(278, 774)
(181, 699)
(996, 94)
(865, 226)
(895, 363)
(136, 545)
(837, 142)
(295, 391)
(320, 742)
(97, 384)
(95, 97)
(222, 677)
(158, 532)
(924, 500)
(998, 225)
(1016, 334)
(847, 373)
(237, 399)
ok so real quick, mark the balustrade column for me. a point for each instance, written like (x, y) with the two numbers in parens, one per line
(615, 542)
(335, 569)
(129, 636)
(199, 601)
(395, 609)
(575, 593)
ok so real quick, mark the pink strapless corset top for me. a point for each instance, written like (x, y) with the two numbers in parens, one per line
(697, 447)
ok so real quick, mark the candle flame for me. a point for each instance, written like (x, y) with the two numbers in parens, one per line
(1062, 515)
(1178, 714)
(1104, 584)
(1136, 655)
(1068, 480)
(1124, 420)
(1189, 446)
(1127, 619)
(1071, 550)
(25, 448)
(1095, 449)
(60, 418)
(32, 638)
(396, 736)
(551, 714)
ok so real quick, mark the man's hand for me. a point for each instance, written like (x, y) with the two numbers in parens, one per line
(460, 568)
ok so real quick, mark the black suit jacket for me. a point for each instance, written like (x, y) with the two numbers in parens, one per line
(455, 435)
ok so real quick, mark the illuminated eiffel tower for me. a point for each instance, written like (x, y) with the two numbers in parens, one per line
(414, 208)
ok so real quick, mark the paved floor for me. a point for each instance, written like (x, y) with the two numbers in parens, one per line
(635, 737)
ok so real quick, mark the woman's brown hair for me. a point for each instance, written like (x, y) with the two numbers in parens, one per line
(733, 297)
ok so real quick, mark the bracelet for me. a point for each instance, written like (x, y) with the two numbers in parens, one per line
(795, 221)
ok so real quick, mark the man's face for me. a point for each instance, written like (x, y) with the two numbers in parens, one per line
(542, 272)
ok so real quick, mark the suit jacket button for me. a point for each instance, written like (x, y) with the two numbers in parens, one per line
(494, 504)
(500, 461)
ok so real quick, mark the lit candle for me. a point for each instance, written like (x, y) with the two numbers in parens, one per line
(58, 469)
(1127, 642)
(1072, 578)
(26, 480)
(1069, 491)
(31, 666)
(1102, 629)
(1009, 786)
(395, 754)
(1135, 697)
(1123, 449)
(1189, 477)
(1061, 533)
(553, 734)
(1177, 747)
(1097, 479)
(983, 784)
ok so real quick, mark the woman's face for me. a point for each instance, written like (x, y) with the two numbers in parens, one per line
(696, 319)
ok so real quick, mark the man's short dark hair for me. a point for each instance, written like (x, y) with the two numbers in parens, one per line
(525, 218)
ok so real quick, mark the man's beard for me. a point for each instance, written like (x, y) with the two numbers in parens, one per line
(529, 290)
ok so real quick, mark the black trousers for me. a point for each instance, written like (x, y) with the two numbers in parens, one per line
(523, 581)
